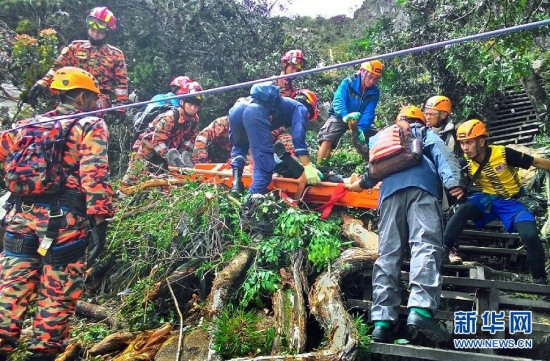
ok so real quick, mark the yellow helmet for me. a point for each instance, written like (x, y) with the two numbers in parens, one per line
(471, 129)
(439, 102)
(412, 112)
(70, 77)
(374, 66)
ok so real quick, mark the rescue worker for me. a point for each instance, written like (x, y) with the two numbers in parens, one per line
(410, 214)
(105, 62)
(293, 61)
(168, 139)
(437, 111)
(57, 278)
(250, 125)
(501, 187)
(212, 145)
(354, 100)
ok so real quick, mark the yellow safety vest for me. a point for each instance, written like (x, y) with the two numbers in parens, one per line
(497, 177)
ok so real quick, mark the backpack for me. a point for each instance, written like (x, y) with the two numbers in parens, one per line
(143, 118)
(392, 150)
(34, 164)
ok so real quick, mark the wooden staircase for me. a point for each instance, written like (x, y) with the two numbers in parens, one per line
(516, 120)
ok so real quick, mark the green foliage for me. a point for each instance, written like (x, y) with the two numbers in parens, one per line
(364, 330)
(237, 334)
(33, 57)
(89, 333)
(295, 229)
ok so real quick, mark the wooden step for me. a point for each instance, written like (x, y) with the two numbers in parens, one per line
(470, 233)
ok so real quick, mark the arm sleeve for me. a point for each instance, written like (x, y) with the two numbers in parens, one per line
(121, 79)
(202, 140)
(94, 169)
(161, 132)
(445, 161)
(339, 102)
(299, 120)
(367, 117)
(518, 159)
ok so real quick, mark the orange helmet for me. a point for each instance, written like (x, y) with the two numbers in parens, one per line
(70, 77)
(101, 18)
(308, 97)
(374, 66)
(294, 57)
(410, 112)
(439, 102)
(471, 129)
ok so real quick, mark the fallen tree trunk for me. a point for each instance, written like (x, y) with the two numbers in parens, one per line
(96, 313)
(224, 282)
(354, 230)
(289, 308)
(114, 342)
(327, 305)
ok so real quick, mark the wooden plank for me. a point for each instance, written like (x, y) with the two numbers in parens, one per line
(527, 123)
(492, 251)
(427, 353)
(500, 285)
(527, 303)
(488, 234)
(509, 119)
(517, 127)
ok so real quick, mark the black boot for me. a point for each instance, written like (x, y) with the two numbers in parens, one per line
(238, 186)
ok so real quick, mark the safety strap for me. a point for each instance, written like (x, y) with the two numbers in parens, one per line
(339, 192)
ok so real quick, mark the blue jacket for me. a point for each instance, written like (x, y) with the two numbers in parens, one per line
(348, 99)
(292, 113)
(439, 166)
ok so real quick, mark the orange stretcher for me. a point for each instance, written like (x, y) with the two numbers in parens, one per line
(220, 173)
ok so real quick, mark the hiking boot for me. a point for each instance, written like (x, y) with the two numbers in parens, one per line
(382, 334)
(450, 256)
(186, 159)
(238, 186)
(174, 158)
(429, 327)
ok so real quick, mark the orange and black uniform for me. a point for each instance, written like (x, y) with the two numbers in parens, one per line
(57, 279)
(106, 63)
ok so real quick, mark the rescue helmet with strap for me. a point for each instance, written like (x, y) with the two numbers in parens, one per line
(101, 18)
(471, 129)
(310, 100)
(70, 77)
(294, 57)
(439, 103)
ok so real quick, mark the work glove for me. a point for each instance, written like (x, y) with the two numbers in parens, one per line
(313, 175)
(351, 117)
(97, 245)
(34, 93)
(361, 136)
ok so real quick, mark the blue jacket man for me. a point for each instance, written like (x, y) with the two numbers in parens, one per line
(354, 100)
(250, 124)
(410, 213)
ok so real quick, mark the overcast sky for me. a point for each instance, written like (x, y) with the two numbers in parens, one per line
(324, 8)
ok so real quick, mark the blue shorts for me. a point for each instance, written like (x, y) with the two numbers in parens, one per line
(509, 211)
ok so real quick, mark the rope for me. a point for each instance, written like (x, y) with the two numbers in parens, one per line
(417, 49)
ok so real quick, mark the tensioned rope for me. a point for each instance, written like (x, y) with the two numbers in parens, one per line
(440, 44)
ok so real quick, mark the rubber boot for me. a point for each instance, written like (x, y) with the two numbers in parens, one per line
(238, 186)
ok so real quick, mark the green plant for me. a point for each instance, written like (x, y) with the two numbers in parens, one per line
(237, 333)
(364, 330)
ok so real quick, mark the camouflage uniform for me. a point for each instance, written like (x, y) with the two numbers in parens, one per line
(162, 134)
(212, 145)
(106, 63)
(57, 283)
(286, 86)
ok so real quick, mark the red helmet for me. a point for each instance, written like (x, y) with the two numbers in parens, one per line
(180, 81)
(308, 97)
(190, 88)
(101, 18)
(295, 57)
